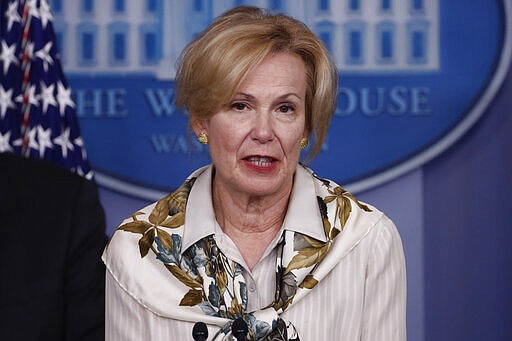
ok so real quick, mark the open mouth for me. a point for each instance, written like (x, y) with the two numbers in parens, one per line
(260, 161)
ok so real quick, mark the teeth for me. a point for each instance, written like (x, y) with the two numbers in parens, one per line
(259, 161)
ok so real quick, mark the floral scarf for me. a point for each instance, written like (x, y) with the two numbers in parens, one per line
(215, 284)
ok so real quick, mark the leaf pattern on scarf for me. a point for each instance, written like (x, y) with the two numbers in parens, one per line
(343, 203)
(174, 221)
(307, 257)
(136, 227)
(309, 282)
(192, 297)
(146, 242)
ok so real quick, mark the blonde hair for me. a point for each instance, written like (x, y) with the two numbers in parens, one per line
(213, 66)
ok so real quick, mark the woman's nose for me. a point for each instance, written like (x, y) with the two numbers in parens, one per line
(263, 127)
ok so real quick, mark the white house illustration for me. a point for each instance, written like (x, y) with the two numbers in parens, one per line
(147, 36)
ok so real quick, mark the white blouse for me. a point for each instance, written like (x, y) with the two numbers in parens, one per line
(362, 298)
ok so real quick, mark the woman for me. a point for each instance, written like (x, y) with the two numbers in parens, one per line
(256, 246)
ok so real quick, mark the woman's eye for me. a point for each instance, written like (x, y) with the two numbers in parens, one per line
(286, 108)
(239, 106)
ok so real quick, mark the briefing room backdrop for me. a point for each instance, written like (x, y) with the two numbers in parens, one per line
(423, 128)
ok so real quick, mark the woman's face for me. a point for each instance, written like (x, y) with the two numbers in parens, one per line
(255, 139)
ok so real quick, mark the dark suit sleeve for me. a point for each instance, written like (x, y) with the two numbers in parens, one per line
(85, 272)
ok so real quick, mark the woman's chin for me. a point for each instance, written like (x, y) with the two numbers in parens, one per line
(264, 187)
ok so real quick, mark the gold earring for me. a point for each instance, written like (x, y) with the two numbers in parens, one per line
(304, 142)
(202, 138)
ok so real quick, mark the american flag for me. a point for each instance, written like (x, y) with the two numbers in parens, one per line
(37, 114)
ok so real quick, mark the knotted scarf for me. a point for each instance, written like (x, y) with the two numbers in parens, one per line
(210, 283)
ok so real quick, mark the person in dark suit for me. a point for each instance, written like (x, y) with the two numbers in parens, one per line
(52, 280)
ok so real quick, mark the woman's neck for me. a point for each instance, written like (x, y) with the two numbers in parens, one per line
(251, 222)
